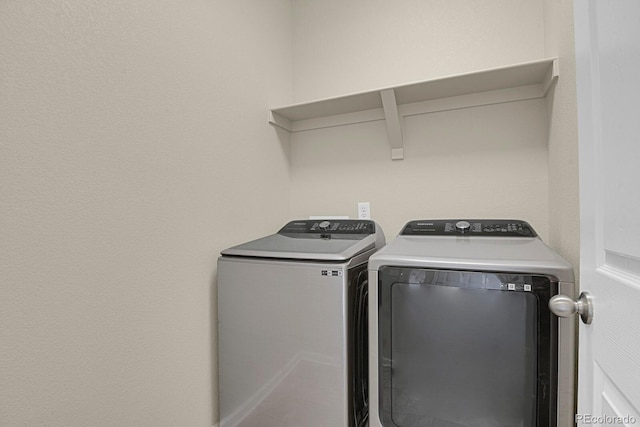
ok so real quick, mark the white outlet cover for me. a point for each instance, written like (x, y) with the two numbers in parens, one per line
(364, 210)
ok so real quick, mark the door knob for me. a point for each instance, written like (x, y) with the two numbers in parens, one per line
(564, 306)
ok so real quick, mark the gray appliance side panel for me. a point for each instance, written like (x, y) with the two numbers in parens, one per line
(282, 338)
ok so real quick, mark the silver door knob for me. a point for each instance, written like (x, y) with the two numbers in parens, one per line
(564, 306)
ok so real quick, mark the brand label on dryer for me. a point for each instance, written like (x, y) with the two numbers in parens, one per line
(337, 273)
(517, 287)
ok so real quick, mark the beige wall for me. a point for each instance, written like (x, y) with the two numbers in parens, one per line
(349, 46)
(134, 147)
(477, 162)
(564, 209)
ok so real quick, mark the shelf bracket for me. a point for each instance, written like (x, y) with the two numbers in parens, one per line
(394, 127)
(551, 77)
(279, 121)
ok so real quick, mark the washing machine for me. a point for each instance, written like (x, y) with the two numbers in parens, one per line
(461, 334)
(292, 326)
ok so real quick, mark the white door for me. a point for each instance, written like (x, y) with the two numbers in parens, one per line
(608, 75)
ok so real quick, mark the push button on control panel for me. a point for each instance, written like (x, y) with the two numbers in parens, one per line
(463, 226)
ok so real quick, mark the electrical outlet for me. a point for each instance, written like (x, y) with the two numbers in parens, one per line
(364, 210)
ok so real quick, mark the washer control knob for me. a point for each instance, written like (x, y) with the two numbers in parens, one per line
(463, 226)
(324, 225)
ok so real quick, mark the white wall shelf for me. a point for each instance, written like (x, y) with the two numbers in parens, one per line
(517, 82)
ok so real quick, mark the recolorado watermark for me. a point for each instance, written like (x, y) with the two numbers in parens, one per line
(605, 419)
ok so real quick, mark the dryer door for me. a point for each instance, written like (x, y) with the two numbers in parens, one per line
(461, 348)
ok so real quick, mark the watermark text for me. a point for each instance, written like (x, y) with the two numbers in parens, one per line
(605, 419)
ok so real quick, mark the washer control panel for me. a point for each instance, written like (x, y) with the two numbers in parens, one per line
(469, 227)
(338, 226)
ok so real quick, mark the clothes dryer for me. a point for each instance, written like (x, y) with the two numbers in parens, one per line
(461, 334)
(292, 326)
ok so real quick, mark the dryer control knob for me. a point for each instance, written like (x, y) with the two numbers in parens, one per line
(463, 226)
(324, 225)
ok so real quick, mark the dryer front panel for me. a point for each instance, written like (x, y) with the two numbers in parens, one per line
(464, 348)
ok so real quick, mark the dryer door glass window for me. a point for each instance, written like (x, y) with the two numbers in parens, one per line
(463, 349)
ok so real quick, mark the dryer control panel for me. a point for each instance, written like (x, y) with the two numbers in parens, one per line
(469, 227)
(338, 226)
